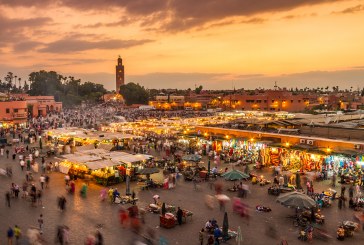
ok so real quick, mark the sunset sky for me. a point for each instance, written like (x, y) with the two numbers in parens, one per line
(179, 43)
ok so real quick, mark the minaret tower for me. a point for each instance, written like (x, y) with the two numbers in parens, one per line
(120, 73)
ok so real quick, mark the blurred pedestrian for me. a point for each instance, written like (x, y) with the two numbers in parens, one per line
(201, 235)
(39, 197)
(351, 191)
(90, 240)
(22, 164)
(40, 223)
(179, 215)
(42, 181)
(46, 181)
(59, 237)
(17, 233)
(334, 180)
(340, 203)
(83, 191)
(99, 238)
(7, 198)
(62, 203)
(10, 235)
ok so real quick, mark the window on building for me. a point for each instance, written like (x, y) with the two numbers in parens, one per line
(7, 110)
(299, 101)
(272, 101)
(259, 101)
(291, 101)
(15, 110)
(265, 101)
(272, 109)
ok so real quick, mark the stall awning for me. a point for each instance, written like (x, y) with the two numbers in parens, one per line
(129, 158)
(81, 158)
(85, 147)
(348, 152)
(106, 147)
(94, 151)
(99, 164)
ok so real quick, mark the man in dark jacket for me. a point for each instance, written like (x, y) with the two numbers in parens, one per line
(179, 216)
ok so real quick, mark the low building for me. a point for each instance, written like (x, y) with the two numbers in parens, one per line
(168, 102)
(268, 100)
(13, 112)
(15, 108)
(42, 105)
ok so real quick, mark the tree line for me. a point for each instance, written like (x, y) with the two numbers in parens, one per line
(67, 89)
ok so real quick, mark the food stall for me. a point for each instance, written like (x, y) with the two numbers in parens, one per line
(105, 172)
(105, 167)
(74, 164)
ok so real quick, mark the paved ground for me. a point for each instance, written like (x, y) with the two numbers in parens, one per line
(83, 215)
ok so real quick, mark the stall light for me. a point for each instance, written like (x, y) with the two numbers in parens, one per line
(287, 144)
(252, 139)
(227, 136)
(206, 134)
(328, 149)
(360, 163)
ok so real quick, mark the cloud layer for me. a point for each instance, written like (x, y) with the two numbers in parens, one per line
(73, 45)
(182, 42)
(175, 15)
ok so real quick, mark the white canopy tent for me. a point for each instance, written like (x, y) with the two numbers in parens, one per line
(99, 164)
(81, 158)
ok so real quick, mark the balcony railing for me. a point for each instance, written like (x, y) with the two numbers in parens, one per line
(19, 115)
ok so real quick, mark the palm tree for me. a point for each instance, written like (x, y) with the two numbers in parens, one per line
(19, 79)
(9, 79)
(26, 86)
(15, 80)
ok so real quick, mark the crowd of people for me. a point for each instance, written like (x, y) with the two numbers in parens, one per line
(163, 145)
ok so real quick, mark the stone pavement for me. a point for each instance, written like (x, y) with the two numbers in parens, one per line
(85, 215)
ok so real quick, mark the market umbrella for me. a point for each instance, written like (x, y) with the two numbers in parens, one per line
(164, 210)
(225, 227)
(192, 158)
(235, 175)
(296, 200)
